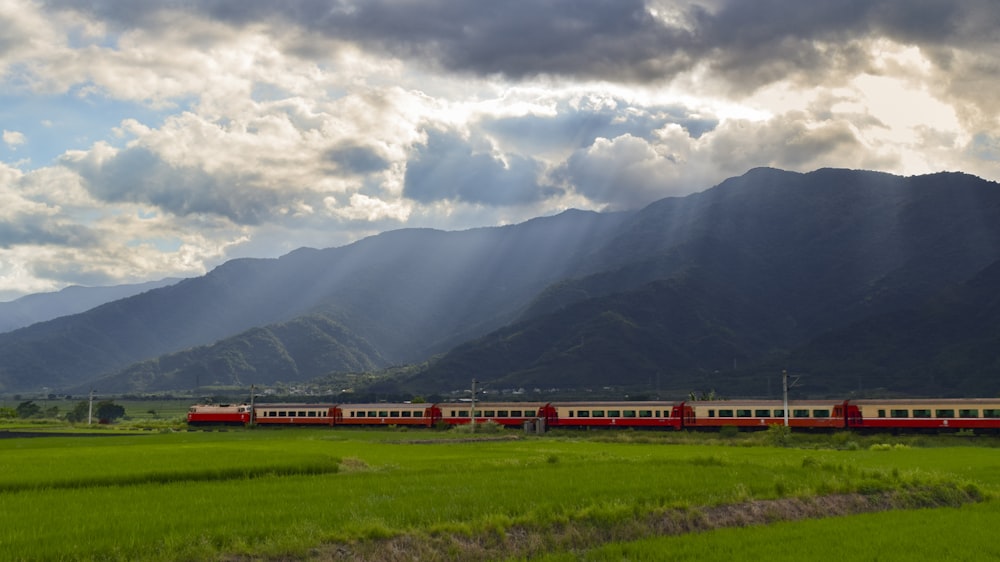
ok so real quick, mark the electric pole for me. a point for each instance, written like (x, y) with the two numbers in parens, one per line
(473, 418)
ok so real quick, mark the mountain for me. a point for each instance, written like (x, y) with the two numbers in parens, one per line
(855, 279)
(40, 307)
(407, 293)
(947, 345)
(770, 264)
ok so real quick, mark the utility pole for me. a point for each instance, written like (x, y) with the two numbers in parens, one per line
(90, 409)
(784, 386)
(252, 417)
(473, 418)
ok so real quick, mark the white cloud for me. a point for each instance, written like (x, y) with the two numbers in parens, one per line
(13, 139)
(276, 127)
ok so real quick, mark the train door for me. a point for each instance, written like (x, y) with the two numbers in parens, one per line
(432, 414)
(549, 413)
(840, 415)
(853, 415)
(685, 416)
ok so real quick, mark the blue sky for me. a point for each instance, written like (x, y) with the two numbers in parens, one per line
(143, 140)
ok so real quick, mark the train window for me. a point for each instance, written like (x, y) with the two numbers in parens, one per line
(918, 413)
(725, 413)
(393, 414)
(821, 413)
(645, 413)
(282, 414)
(372, 414)
(881, 413)
(991, 413)
(968, 413)
(762, 413)
(383, 413)
(272, 414)
(407, 414)
(779, 413)
(657, 413)
(490, 413)
(743, 413)
(945, 413)
(503, 414)
(800, 413)
(517, 413)
(711, 413)
(312, 413)
(583, 414)
(899, 413)
(614, 413)
(302, 414)
(463, 413)
(628, 414)
(598, 413)
(571, 413)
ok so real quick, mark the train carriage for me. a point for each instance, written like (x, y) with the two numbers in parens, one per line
(927, 414)
(294, 414)
(758, 414)
(664, 415)
(507, 414)
(423, 415)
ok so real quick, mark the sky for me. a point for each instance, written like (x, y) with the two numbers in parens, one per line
(153, 139)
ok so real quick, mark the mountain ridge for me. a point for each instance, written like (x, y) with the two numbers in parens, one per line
(739, 279)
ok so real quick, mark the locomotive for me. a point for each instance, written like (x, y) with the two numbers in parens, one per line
(938, 414)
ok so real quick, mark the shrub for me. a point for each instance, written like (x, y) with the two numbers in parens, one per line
(778, 435)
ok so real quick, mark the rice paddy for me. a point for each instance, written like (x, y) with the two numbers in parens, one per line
(342, 494)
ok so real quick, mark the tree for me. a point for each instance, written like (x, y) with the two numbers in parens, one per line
(79, 412)
(107, 411)
(28, 409)
(7, 413)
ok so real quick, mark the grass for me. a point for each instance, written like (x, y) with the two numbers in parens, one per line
(209, 495)
(927, 534)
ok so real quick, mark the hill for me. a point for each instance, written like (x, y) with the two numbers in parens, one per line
(407, 293)
(770, 265)
(720, 289)
(40, 307)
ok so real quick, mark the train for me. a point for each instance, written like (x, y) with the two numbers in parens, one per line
(929, 414)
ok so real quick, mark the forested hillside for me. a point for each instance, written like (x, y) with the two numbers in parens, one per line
(858, 281)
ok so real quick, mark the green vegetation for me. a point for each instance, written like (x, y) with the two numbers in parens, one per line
(299, 493)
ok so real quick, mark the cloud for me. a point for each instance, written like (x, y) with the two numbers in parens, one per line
(159, 138)
(447, 167)
(13, 139)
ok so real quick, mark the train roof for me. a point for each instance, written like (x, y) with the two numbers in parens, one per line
(768, 402)
(925, 401)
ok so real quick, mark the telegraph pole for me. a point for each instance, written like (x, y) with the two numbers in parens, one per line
(473, 418)
(252, 417)
(784, 386)
(90, 409)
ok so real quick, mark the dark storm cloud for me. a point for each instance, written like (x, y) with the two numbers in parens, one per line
(138, 175)
(447, 168)
(751, 43)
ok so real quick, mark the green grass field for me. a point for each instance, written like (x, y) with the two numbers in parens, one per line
(300, 493)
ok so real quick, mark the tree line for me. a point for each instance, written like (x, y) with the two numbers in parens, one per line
(105, 411)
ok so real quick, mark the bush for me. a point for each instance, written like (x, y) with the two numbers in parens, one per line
(488, 426)
(778, 435)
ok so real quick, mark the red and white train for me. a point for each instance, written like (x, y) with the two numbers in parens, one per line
(885, 415)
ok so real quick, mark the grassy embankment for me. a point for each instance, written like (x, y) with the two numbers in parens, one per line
(330, 494)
